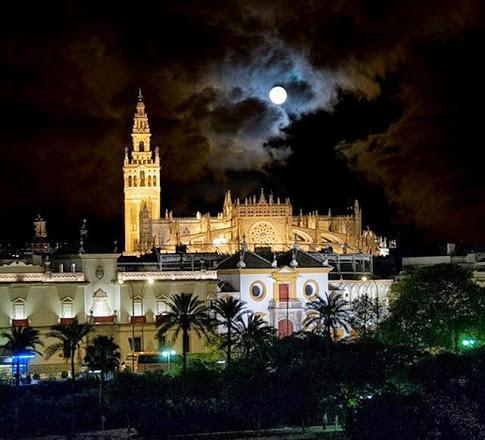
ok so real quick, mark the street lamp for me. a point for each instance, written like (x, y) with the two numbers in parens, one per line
(168, 355)
(120, 282)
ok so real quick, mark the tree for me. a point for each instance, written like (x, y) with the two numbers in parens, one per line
(70, 338)
(186, 313)
(103, 355)
(433, 307)
(254, 334)
(20, 340)
(229, 313)
(327, 314)
(366, 312)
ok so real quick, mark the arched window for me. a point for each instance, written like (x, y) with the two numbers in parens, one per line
(142, 178)
(135, 183)
(130, 181)
(141, 144)
(149, 180)
(154, 180)
(285, 328)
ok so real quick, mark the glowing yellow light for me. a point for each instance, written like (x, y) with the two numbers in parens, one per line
(219, 241)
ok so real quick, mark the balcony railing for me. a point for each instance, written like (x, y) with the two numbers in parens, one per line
(161, 319)
(20, 322)
(291, 304)
(138, 319)
(110, 319)
(42, 277)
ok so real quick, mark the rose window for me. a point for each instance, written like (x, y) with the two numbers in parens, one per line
(263, 233)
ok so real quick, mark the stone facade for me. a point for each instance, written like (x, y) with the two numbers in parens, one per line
(94, 289)
(262, 220)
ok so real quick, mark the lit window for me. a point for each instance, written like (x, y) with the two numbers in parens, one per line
(67, 308)
(138, 307)
(19, 309)
(162, 308)
(100, 304)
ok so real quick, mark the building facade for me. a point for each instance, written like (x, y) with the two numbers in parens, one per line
(262, 220)
(117, 298)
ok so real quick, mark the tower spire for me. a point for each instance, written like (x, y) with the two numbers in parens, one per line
(141, 129)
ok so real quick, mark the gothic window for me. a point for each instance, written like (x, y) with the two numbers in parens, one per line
(154, 180)
(142, 178)
(263, 233)
(135, 182)
(141, 144)
(130, 181)
(18, 309)
(149, 180)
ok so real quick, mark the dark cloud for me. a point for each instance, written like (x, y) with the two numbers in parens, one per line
(70, 74)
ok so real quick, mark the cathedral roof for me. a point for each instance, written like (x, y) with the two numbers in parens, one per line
(250, 259)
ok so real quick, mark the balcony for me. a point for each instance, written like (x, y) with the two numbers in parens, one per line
(138, 319)
(110, 319)
(291, 304)
(20, 322)
(161, 319)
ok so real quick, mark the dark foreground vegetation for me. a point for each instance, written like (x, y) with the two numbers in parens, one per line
(376, 391)
(415, 371)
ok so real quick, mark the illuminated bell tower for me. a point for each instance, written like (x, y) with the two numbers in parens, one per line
(141, 172)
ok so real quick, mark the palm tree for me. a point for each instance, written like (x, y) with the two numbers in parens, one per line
(103, 355)
(186, 313)
(20, 340)
(229, 313)
(70, 337)
(253, 334)
(327, 314)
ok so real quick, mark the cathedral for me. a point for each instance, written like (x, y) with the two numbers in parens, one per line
(258, 221)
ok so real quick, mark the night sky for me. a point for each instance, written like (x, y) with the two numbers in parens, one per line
(385, 105)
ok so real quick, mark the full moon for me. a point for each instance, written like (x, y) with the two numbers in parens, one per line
(278, 95)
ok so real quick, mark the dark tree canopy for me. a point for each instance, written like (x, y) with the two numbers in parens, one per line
(434, 308)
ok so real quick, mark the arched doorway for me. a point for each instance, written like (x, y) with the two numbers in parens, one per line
(285, 328)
